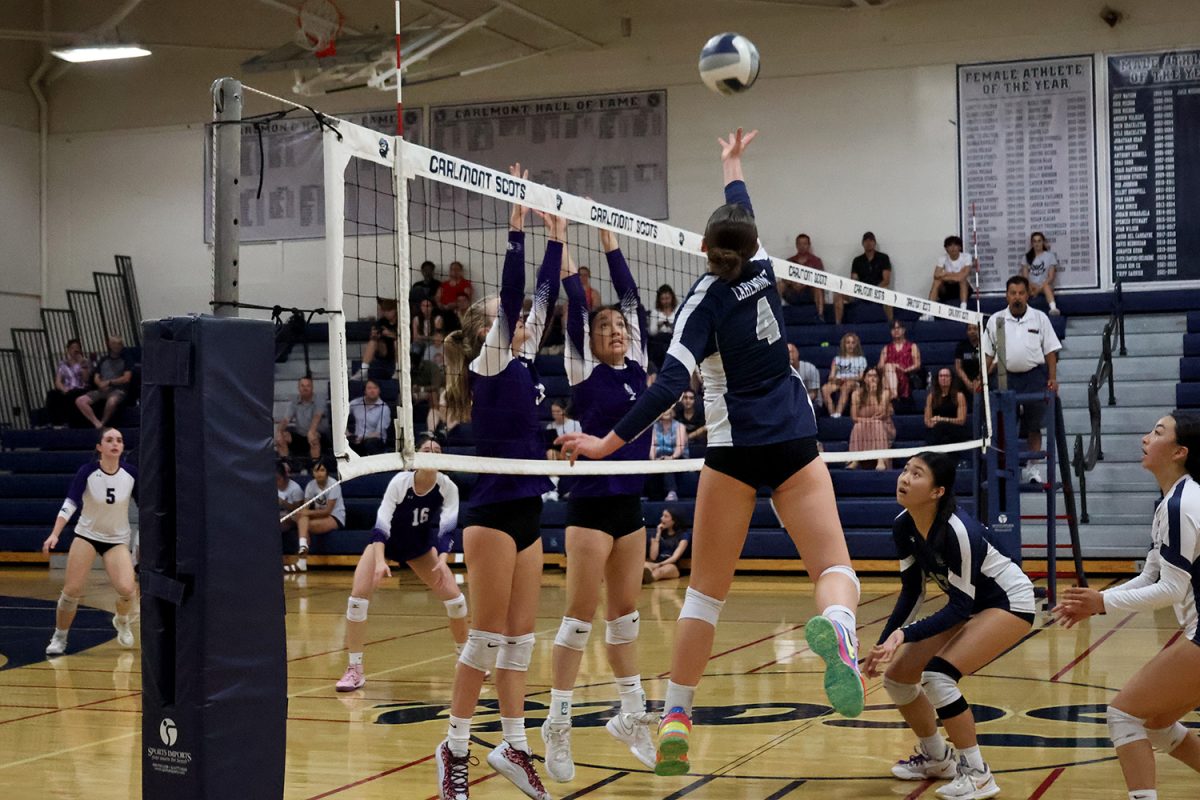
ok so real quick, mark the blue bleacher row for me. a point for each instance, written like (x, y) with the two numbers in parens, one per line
(1187, 391)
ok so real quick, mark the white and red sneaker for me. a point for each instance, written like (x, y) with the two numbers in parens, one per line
(517, 766)
(352, 680)
(453, 783)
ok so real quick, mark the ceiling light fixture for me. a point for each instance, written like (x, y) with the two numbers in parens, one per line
(107, 52)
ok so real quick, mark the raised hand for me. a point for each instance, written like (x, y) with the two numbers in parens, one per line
(736, 144)
(556, 226)
(608, 240)
(516, 218)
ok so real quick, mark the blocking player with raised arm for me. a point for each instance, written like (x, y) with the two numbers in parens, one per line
(1145, 715)
(761, 432)
(990, 608)
(418, 513)
(100, 493)
(606, 533)
(491, 379)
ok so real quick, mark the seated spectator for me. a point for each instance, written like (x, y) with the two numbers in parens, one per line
(871, 267)
(808, 373)
(304, 430)
(946, 411)
(660, 321)
(668, 442)
(439, 421)
(1039, 268)
(691, 415)
(427, 287)
(457, 284)
(589, 291)
(966, 360)
(71, 381)
(327, 512)
(370, 421)
(450, 319)
(290, 495)
(871, 410)
(794, 293)
(379, 354)
(424, 325)
(667, 546)
(112, 377)
(900, 365)
(559, 424)
(845, 371)
(951, 275)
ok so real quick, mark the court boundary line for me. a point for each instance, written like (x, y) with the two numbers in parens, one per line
(1091, 648)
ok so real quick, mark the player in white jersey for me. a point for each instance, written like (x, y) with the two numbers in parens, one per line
(418, 513)
(1145, 715)
(100, 493)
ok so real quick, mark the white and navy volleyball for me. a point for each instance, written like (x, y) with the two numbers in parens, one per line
(729, 63)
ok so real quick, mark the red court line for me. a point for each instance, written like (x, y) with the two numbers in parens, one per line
(70, 708)
(920, 790)
(472, 783)
(793, 655)
(377, 641)
(374, 777)
(1091, 648)
(1044, 785)
(1173, 639)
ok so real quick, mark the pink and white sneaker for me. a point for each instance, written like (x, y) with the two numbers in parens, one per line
(517, 766)
(352, 680)
(453, 783)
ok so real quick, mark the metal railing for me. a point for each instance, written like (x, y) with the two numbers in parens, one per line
(1084, 460)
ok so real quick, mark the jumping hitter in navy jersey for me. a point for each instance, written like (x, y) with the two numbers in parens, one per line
(761, 432)
(418, 513)
(100, 493)
(491, 378)
(990, 608)
(1145, 715)
(606, 534)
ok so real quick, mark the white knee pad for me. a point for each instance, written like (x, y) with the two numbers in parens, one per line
(573, 634)
(516, 653)
(481, 650)
(456, 608)
(1165, 740)
(848, 572)
(1124, 728)
(697, 605)
(356, 609)
(623, 630)
(66, 602)
(901, 693)
(941, 687)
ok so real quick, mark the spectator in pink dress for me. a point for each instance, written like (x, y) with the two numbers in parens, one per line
(900, 365)
(871, 410)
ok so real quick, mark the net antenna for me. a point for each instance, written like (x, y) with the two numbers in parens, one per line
(318, 23)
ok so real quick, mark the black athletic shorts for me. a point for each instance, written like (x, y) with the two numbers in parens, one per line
(520, 519)
(1033, 412)
(405, 548)
(1025, 615)
(619, 515)
(763, 465)
(101, 547)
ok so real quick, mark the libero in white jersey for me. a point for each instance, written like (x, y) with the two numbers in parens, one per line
(100, 494)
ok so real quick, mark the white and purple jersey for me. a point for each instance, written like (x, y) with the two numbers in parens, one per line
(734, 332)
(102, 501)
(409, 523)
(505, 390)
(1171, 576)
(601, 393)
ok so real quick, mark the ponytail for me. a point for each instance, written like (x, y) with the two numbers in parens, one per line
(725, 264)
(730, 239)
(943, 468)
(1187, 434)
(459, 350)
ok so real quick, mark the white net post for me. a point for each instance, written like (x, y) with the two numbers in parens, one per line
(336, 159)
(405, 426)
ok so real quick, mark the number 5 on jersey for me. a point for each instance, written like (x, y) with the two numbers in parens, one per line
(110, 495)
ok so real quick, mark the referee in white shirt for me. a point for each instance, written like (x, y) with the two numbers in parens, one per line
(1031, 358)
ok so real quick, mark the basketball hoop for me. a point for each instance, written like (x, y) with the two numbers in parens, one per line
(318, 23)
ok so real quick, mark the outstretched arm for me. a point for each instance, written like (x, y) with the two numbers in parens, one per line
(627, 295)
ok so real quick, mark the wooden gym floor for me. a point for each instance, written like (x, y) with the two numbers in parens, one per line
(69, 728)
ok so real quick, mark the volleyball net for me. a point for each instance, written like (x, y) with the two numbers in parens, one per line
(392, 206)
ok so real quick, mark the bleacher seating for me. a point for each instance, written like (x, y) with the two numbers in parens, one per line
(1187, 391)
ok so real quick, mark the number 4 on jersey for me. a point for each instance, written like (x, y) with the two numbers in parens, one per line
(767, 327)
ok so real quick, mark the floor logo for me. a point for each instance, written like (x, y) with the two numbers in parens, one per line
(168, 732)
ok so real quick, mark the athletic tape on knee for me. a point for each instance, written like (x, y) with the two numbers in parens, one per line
(848, 572)
(516, 653)
(697, 605)
(456, 608)
(66, 602)
(1165, 740)
(1124, 728)
(623, 630)
(573, 633)
(356, 609)
(940, 683)
(901, 693)
(481, 650)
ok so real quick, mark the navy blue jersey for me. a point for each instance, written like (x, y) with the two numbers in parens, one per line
(505, 390)
(602, 394)
(734, 332)
(416, 518)
(964, 564)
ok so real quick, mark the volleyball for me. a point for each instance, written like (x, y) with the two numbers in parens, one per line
(729, 63)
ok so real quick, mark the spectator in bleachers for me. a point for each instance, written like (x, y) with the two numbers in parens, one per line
(1039, 268)
(379, 353)
(589, 291)
(370, 420)
(900, 366)
(112, 377)
(304, 429)
(871, 410)
(427, 287)
(424, 325)
(439, 421)
(667, 546)
(966, 359)
(327, 513)
(660, 321)
(71, 381)
(457, 284)
(794, 293)
(808, 373)
(691, 415)
(951, 275)
(946, 410)
(845, 371)
(559, 424)
(668, 442)
(289, 493)
(429, 375)
(451, 318)
(871, 267)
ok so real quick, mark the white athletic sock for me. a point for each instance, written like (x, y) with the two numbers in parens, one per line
(459, 735)
(974, 757)
(633, 699)
(560, 705)
(679, 696)
(841, 614)
(356, 659)
(1143, 794)
(934, 746)
(303, 542)
(60, 634)
(514, 732)
(1054, 306)
(962, 304)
